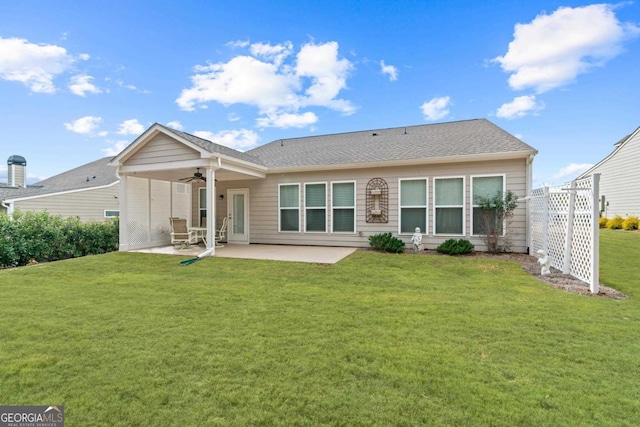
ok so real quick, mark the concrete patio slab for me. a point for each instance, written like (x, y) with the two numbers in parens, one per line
(311, 254)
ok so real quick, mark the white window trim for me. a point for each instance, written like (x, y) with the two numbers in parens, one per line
(473, 205)
(355, 197)
(426, 207)
(326, 207)
(111, 210)
(464, 206)
(280, 230)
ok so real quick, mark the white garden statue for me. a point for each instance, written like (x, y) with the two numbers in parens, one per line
(416, 239)
(544, 261)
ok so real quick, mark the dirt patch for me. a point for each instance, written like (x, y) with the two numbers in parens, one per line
(556, 279)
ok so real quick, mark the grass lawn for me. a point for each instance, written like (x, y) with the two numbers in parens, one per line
(132, 339)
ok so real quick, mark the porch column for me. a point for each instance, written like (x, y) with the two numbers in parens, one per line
(124, 217)
(211, 208)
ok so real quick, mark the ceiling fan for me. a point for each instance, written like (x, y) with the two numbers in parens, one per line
(197, 177)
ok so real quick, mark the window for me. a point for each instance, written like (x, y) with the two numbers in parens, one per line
(111, 214)
(449, 205)
(315, 207)
(343, 204)
(413, 205)
(202, 207)
(289, 203)
(485, 186)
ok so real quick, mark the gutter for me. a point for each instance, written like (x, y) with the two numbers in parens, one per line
(8, 207)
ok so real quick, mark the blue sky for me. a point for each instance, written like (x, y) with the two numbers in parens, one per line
(81, 80)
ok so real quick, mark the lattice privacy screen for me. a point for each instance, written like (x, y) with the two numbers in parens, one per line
(150, 205)
(563, 221)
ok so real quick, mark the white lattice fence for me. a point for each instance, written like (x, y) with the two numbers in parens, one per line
(563, 221)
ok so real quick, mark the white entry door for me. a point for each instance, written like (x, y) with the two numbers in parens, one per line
(238, 211)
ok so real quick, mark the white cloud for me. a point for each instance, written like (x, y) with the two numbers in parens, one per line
(81, 85)
(34, 65)
(116, 148)
(233, 117)
(85, 125)
(130, 127)
(389, 70)
(272, 53)
(572, 171)
(519, 107)
(239, 139)
(436, 109)
(287, 120)
(175, 125)
(314, 78)
(552, 50)
(84, 56)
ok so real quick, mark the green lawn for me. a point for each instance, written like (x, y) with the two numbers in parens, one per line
(378, 339)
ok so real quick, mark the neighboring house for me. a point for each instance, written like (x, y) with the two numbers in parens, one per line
(89, 192)
(329, 190)
(619, 176)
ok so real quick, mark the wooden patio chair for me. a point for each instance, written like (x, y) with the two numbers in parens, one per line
(180, 234)
(221, 233)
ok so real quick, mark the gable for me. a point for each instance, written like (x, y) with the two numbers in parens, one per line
(160, 149)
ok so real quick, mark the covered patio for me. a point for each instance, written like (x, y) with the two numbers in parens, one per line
(310, 254)
(167, 174)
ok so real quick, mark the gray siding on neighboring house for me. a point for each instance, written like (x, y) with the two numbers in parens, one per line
(264, 210)
(162, 149)
(620, 179)
(88, 204)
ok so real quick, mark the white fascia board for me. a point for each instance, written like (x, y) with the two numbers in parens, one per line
(59, 193)
(240, 168)
(155, 167)
(411, 162)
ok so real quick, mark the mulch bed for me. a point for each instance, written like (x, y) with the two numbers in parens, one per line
(556, 279)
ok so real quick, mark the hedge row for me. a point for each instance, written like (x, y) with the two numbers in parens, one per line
(39, 236)
(617, 223)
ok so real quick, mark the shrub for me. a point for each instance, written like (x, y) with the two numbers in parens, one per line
(39, 236)
(615, 223)
(455, 247)
(602, 222)
(385, 242)
(630, 223)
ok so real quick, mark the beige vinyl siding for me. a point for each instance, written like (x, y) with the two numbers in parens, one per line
(620, 180)
(162, 149)
(87, 204)
(264, 202)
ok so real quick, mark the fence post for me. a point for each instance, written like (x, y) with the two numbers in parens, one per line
(545, 220)
(595, 234)
(568, 240)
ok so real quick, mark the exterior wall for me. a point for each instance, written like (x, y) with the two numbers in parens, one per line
(17, 175)
(162, 149)
(87, 205)
(620, 180)
(264, 213)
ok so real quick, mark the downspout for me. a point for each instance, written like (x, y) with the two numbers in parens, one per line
(8, 207)
(529, 187)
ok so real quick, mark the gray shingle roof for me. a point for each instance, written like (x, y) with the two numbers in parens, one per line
(94, 174)
(213, 147)
(461, 138)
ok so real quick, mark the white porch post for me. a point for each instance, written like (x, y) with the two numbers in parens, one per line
(211, 210)
(123, 218)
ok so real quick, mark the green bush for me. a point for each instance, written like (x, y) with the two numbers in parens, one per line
(630, 223)
(40, 237)
(615, 223)
(602, 222)
(385, 242)
(455, 247)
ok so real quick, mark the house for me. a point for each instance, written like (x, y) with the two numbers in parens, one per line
(89, 192)
(328, 190)
(619, 175)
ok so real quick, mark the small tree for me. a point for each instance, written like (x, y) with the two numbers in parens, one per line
(496, 214)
